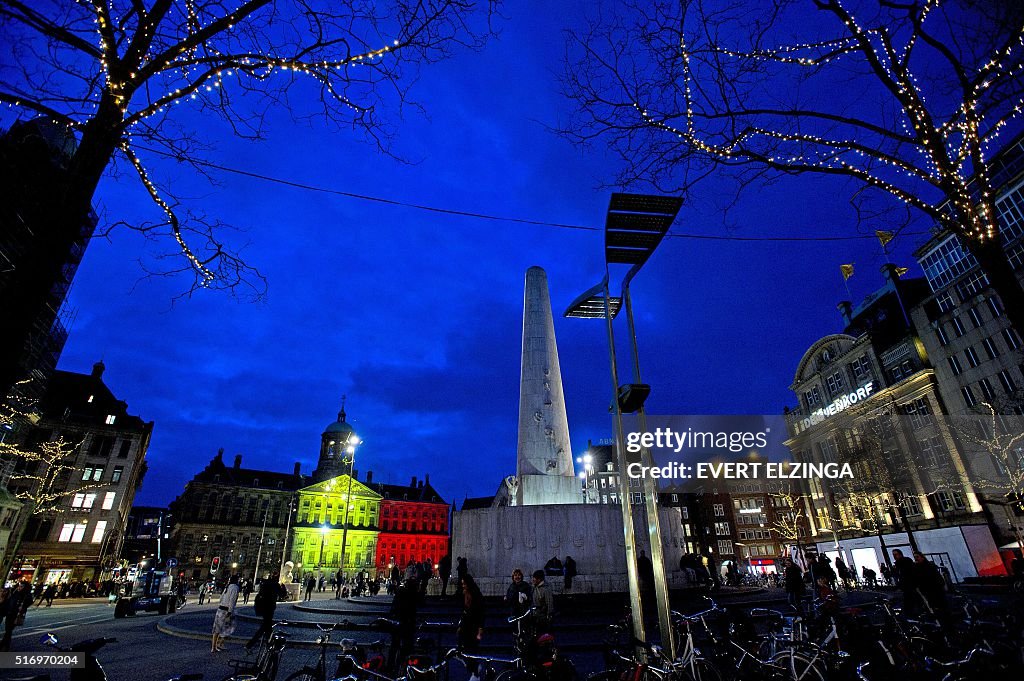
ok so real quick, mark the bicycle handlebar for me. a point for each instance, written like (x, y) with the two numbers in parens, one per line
(932, 662)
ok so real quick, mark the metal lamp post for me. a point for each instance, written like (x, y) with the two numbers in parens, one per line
(323, 538)
(634, 226)
(350, 450)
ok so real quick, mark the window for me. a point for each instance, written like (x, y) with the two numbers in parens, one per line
(834, 382)
(972, 357)
(110, 419)
(122, 451)
(813, 397)
(722, 528)
(1011, 338)
(986, 389)
(946, 262)
(97, 534)
(975, 317)
(918, 411)
(72, 532)
(83, 501)
(719, 510)
(912, 504)
(950, 501)
(940, 333)
(972, 285)
(954, 364)
(995, 306)
(969, 397)
(931, 451)
(958, 327)
(108, 500)
(1008, 384)
(725, 547)
(944, 301)
(990, 348)
(861, 368)
(686, 513)
(87, 473)
(116, 475)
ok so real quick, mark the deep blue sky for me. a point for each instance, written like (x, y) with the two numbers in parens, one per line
(417, 316)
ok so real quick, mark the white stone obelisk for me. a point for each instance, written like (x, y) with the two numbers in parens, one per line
(544, 455)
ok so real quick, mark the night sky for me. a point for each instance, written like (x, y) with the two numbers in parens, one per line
(416, 316)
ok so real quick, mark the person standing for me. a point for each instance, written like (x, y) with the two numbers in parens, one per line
(202, 592)
(246, 591)
(310, 585)
(543, 603)
(224, 620)
(570, 572)
(794, 582)
(339, 579)
(930, 584)
(903, 573)
(271, 591)
(18, 600)
(403, 611)
(461, 568)
(444, 569)
(471, 625)
(518, 596)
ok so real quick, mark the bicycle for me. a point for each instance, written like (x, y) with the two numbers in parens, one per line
(267, 661)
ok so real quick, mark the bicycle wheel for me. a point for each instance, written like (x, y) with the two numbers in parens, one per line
(802, 666)
(306, 674)
(702, 670)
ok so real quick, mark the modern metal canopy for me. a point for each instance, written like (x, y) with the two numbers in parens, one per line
(636, 224)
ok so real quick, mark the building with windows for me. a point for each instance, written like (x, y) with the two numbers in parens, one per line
(413, 523)
(236, 515)
(868, 397)
(147, 534)
(250, 521)
(82, 539)
(41, 247)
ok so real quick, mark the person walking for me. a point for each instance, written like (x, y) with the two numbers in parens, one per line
(543, 603)
(224, 620)
(246, 591)
(518, 595)
(271, 591)
(471, 625)
(15, 606)
(203, 589)
(570, 572)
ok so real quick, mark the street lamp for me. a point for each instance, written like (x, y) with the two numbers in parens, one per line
(588, 470)
(634, 226)
(350, 450)
(323, 538)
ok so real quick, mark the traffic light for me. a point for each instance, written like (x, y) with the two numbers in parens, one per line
(215, 564)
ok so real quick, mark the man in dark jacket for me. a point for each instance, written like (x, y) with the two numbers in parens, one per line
(403, 611)
(265, 605)
(570, 572)
(930, 584)
(794, 579)
(904, 574)
(15, 607)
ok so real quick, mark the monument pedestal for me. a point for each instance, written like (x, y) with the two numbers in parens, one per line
(497, 540)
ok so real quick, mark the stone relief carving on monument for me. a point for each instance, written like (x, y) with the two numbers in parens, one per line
(531, 542)
(508, 542)
(489, 543)
(577, 540)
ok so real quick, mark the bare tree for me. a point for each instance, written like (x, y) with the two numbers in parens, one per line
(903, 98)
(996, 442)
(790, 520)
(118, 73)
